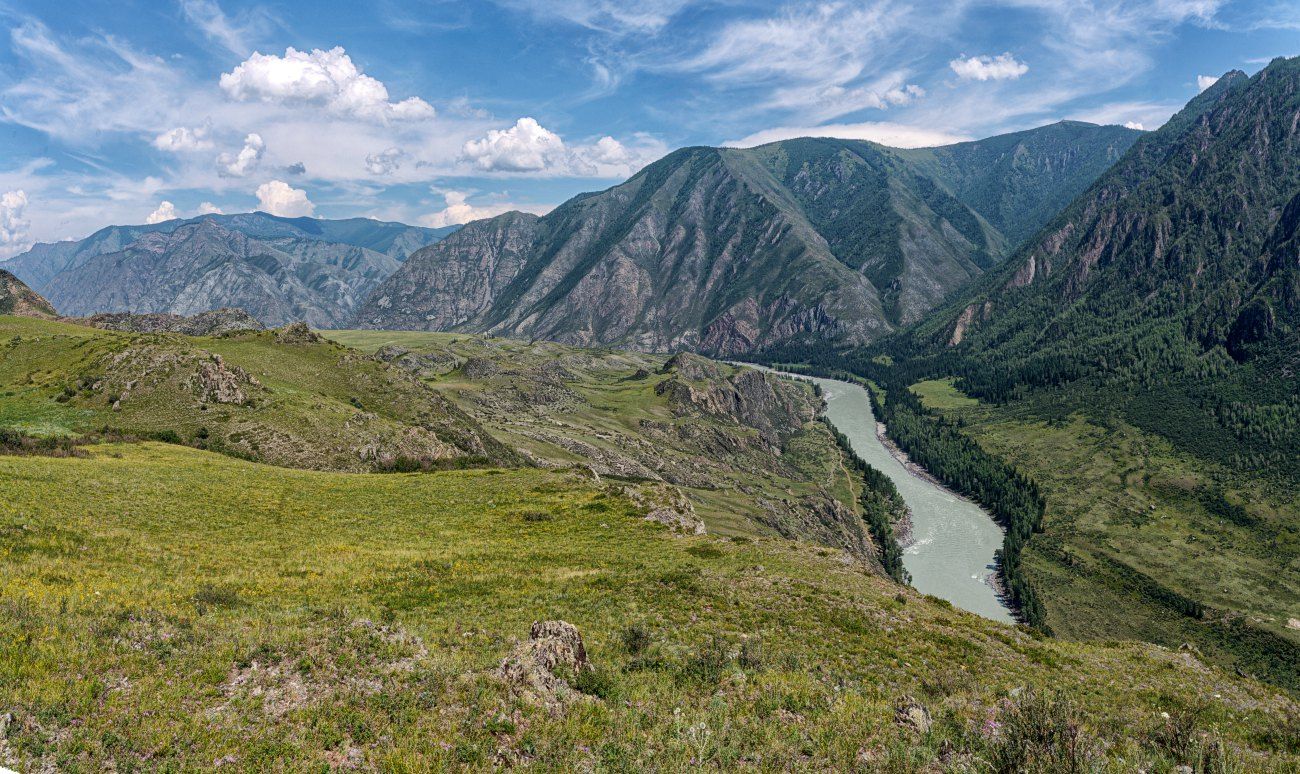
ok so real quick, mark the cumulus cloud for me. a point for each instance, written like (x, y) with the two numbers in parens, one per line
(183, 139)
(14, 228)
(385, 162)
(326, 78)
(459, 210)
(530, 147)
(245, 161)
(989, 68)
(525, 147)
(166, 211)
(279, 198)
(208, 208)
(1204, 82)
(1133, 125)
(883, 132)
(296, 168)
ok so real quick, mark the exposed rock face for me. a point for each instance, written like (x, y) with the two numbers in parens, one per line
(533, 669)
(215, 382)
(667, 506)
(213, 323)
(279, 269)
(141, 370)
(728, 250)
(18, 299)
(297, 333)
(750, 398)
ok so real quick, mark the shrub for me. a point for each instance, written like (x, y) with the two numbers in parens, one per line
(596, 682)
(1040, 733)
(636, 639)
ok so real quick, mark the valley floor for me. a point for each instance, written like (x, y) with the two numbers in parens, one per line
(168, 608)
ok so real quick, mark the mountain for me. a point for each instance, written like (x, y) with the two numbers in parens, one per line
(726, 250)
(279, 269)
(38, 265)
(18, 299)
(1177, 271)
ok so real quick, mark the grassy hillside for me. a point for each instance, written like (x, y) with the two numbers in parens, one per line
(167, 608)
(612, 411)
(1142, 540)
(284, 396)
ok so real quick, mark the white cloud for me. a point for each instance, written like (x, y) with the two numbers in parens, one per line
(821, 60)
(83, 89)
(166, 211)
(183, 139)
(207, 16)
(15, 236)
(279, 198)
(245, 161)
(525, 147)
(458, 210)
(317, 77)
(385, 162)
(1133, 125)
(1204, 82)
(530, 147)
(989, 68)
(208, 208)
(883, 132)
(613, 16)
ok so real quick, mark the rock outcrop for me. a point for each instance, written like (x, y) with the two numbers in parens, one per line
(213, 323)
(539, 670)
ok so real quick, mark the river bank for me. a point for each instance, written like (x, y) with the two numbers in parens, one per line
(949, 546)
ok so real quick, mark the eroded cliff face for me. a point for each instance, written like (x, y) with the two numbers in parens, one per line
(727, 250)
(688, 254)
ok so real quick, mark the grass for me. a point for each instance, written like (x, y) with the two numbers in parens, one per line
(316, 405)
(1128, 514)
(621, 420)
(163, 607)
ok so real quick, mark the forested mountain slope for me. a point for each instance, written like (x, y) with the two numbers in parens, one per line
(1175, 278)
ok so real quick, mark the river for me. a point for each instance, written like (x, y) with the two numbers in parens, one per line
(953, 539)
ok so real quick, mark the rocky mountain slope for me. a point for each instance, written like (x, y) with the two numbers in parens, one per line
(284, 397)
(18, 299)
(740, 445)
(728, 250)
(278, 269)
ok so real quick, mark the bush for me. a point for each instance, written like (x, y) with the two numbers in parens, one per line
(636, 639)
(596, 682)
(1040, 733)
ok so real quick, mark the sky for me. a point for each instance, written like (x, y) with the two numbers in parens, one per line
(436, 112)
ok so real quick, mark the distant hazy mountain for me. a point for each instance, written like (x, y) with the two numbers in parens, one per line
(726, 250)
(279, 269)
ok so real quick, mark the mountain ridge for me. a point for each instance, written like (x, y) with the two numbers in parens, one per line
(723, 250)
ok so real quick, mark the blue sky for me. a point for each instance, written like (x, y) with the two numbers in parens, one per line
(436, 112)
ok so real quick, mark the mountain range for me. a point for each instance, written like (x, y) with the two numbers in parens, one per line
(278, 269)
(726, 250)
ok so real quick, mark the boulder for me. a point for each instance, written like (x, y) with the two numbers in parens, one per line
(537, 670)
